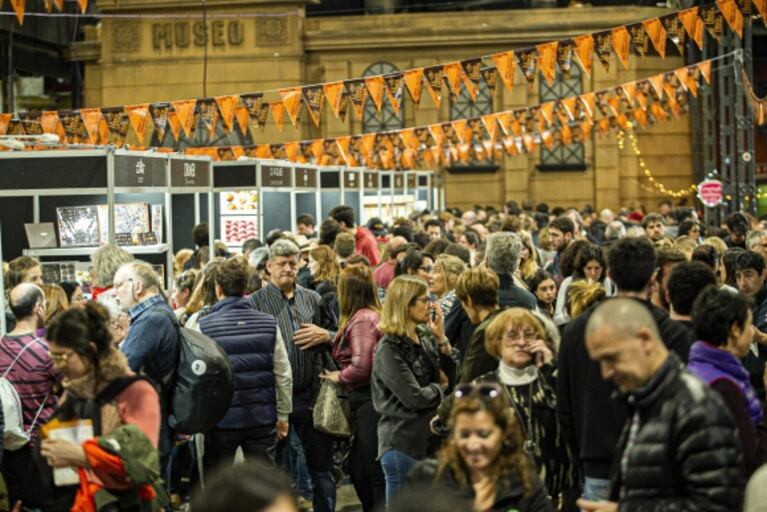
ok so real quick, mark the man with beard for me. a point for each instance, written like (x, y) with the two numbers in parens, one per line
(561, 235)
(654, 226)
(667, 260)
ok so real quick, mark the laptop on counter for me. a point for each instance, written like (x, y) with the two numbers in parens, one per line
(41, 236)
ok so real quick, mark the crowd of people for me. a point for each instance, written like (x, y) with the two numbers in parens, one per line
(531, 359)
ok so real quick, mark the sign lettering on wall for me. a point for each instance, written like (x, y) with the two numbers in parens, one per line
(351, 179)
(183, 34)
(136, 171)
(306, 177)
(189, 173)
(275, 176)
(371, 180)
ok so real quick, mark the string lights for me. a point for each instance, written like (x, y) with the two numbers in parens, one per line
(660, 187)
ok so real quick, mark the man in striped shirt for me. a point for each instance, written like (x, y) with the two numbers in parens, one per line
(25, 363)
(307, 330)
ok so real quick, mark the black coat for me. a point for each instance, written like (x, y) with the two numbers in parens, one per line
(686, 454)
(591, 419)
(509, 496)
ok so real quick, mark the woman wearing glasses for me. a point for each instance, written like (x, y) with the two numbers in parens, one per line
(485, 459)
(123, 409)
(524, 343)
(417, 264)
(407, 383)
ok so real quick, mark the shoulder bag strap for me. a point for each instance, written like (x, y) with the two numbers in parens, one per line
(23, 349)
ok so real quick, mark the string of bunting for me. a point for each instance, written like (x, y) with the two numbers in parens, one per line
(573, 119)
(249, 113)
(20, 7)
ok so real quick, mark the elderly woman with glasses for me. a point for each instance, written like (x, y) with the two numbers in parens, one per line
(407, 382)
(484, 459)
(524, 343)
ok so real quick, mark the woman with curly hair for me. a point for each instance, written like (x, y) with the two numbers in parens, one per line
(484, 458)
(588, 264)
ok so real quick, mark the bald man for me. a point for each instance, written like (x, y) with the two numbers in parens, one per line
(24, 361)
(679, 448)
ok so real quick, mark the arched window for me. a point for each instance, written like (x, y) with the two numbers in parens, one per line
(388, 119)
(572, 156)
(463, 107)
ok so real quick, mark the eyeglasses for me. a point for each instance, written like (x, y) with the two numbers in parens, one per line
(60, 358)
(518, 336)
(480, 390)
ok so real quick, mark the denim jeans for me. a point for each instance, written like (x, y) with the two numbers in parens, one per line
(294, 464)
(258, 443)
(364, 470)
(596, 489)
(318, 448)
(396, 465)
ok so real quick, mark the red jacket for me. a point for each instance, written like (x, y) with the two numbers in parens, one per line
(354, 351)
(365, 244)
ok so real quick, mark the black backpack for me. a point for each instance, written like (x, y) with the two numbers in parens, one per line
(200, 389)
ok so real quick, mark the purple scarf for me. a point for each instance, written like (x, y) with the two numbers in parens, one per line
(711, 363)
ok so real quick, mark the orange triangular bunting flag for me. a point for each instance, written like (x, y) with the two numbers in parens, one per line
(689, 19)
(657, 34)
(59, 4)
(174, 123)
(527, 63)
(414, 84)
(547, 60)
(278, 114)
(185, 111)
(603, 46)
(584, 52)
(705, 69)
(291, 152)
(83, 5)
(19, 6)
(505, 64)
(620, 41)
(732, 15)
(433, 75)
(243, 119)
(343, 149)
(504, 121)
(333, 92)
(91, 119)
(459, 125)
(208, 112)
(357, 95)
(393, 83)
(313, 98)
(50, 122)
(291, 100)
(713, 20)
(685, 76)
(375, 86)
(48, 6)
(453, 73)
(627, 92)
(159, 115)
(471, 74)
(657, 84)
(761, 7)
(138, 115)
(227, 106)
(491, 125)
(569, 106)
(547, 110)
(437, 133)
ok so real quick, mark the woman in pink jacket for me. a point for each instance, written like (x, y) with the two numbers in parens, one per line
(353, 351)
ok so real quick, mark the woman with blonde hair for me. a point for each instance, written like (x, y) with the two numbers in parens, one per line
(581, 295)
(353, 351)
(407, 382)
(525, 344)
(484, 459)
(203, 296)
(180, 259)
(55, 301)
(529, 259)
(182, 292)
(442, 279)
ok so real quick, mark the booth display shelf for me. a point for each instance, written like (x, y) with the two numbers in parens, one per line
(87, 251)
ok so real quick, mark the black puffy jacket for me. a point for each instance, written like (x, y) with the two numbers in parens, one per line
(686, 455)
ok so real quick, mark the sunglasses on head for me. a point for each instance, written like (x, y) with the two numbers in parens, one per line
(477, 390)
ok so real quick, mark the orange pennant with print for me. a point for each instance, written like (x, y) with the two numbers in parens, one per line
(227, 106)
(291, 100)
(568, 104)
(414, 84)
(504, 63)
(313, 98)
(434, 80)
(657, 34)
(547, 139)
(174, 124)
(657, 84)
(409, 138)
(732, 15)
(690, 20)
(620, 39)
(292, 153)
(547, 111)
(138, 116)
(59, 4)
(566, 135)
(207, 110)
(243, 119)
(459, 125)
(357, 95)
(50, 122)
(627, 92)
(437, 134)
(278, 114)
(547, 60)
(333, 92)
(584, 52)
(528, 63)
(453, 74)
(375, 86)
(19, 6)
(471, 74)
(504, 121)
(586, 103)
(761, 7)
(343, 149)
(83, 5)
(393, 88)
(264, 151)
(640, 116)
(705, 70)
(689, 81)
(91, 119)
(185, 111)
(491, 125)
(712, 20)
